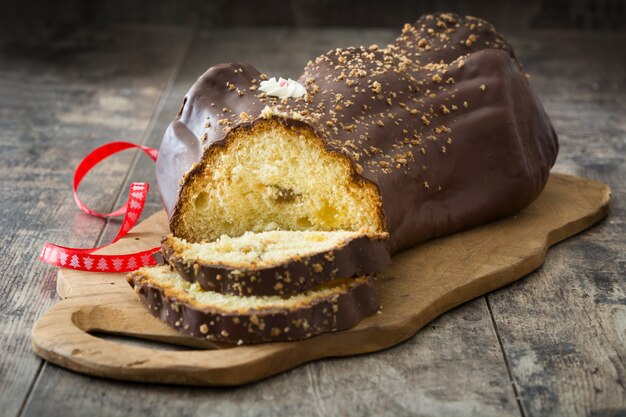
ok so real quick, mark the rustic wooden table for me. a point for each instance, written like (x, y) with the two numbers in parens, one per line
(552, 344)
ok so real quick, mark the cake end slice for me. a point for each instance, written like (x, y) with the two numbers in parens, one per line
(336, 305)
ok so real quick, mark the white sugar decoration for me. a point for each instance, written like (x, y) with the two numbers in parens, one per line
(282, 88)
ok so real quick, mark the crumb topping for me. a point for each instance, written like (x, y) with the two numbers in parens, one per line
(384, 107)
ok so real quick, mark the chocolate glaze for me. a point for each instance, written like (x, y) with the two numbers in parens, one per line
(183, 142)
(363, 255)
(442, 121)
(337, 312)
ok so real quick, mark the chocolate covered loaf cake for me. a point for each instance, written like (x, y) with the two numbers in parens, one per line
(435, 133)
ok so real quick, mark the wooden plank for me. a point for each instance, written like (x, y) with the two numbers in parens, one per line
(563, 328)
(451, 367)
(57, 102)
(17, 18)
(464, 336)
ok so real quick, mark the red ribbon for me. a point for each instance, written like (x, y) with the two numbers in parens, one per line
(85, 259)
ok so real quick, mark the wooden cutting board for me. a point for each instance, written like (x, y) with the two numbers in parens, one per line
(421, 284)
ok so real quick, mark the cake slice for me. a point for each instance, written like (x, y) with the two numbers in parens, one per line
(276, 262)
(335, 305)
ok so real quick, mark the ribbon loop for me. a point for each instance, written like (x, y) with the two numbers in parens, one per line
(85, 259)
(94, 158)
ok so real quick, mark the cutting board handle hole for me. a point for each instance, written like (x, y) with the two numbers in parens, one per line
(149, 343)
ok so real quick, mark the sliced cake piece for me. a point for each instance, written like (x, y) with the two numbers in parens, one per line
(335, 305)
(276, 262)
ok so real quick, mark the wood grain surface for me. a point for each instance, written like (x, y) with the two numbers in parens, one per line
(551, 344)
(421, 284)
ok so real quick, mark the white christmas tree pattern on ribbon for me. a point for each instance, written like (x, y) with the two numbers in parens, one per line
(85, 259)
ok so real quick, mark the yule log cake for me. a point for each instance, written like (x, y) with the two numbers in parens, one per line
(435, 133)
